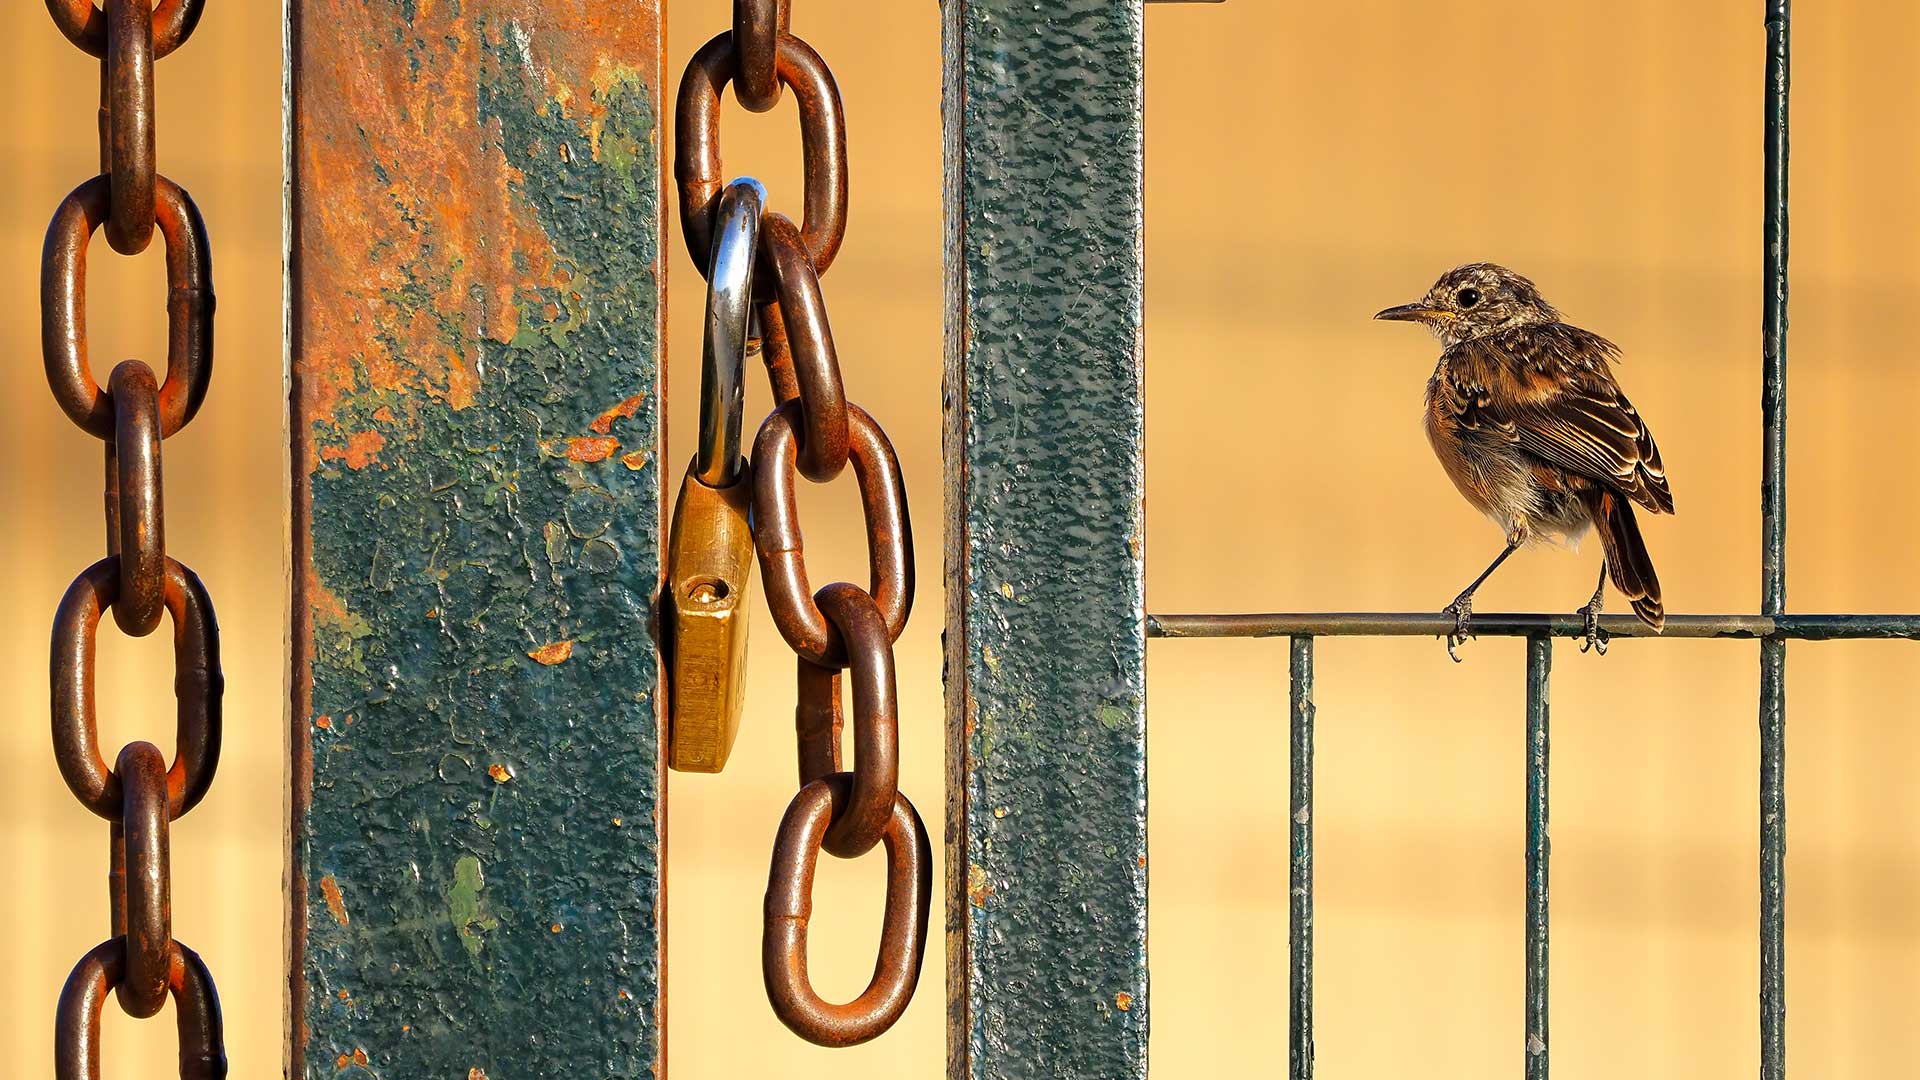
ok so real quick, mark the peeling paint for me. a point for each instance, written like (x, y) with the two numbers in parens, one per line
(466, 906)
(336, 903)
(591, 448)
(978, 887)
(360, 450)
(603, 423)
(557, 653)
(474, 289)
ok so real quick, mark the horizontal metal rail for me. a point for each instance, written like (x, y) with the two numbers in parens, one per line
(1436, 624)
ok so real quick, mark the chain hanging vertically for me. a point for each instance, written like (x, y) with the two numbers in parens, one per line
(814, 432)
(140, 794)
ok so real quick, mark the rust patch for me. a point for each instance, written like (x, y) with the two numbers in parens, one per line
(336, 903)
(359, 451)
(591, 448)
(429, 261)
(500, 773)
(636, 460)
(603, 423)
(557, 653)
(1123, 1001)
(327, 608)
(978, 887)
(323, 723)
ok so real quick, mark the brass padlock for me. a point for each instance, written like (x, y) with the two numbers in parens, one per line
(710, 552)
(709, 564)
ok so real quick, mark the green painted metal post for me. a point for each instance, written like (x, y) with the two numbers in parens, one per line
(1539, 853)
(1301, 714)
(475, 318)
(1047, 861)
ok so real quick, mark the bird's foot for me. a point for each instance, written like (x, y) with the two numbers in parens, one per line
(1596, 638)
(1462, 611)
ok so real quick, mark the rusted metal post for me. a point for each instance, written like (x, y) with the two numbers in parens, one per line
(1773, 553)
(1046, 857)
(475, 319)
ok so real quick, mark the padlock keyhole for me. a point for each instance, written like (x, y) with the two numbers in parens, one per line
(707, 591)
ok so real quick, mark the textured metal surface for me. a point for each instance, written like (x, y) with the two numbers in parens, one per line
(1773, 859)
(1773, 559)
(1417, 624)
(1539, 850)
(477, 814)
(1300, 872)
(1046, 860)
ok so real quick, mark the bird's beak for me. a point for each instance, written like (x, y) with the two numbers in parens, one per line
(1413, 313)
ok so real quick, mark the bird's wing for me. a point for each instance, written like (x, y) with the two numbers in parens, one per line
(1550, 389)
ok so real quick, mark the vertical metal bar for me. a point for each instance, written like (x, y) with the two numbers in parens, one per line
(1773, 858)
(1300, 877)
(1773, 566)
(1046, 638)
(475, 317)
(1539, 849)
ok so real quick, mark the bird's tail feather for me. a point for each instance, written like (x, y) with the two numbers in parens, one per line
(1628, 563)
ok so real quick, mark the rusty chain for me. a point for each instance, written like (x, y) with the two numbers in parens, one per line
(140, 795)
(813, 432)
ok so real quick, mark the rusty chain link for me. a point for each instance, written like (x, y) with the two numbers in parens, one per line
(63, 307)
(76, 1039)
(807, 352)
(141, 794)
(85, 24)
(858, 826)
(128, 102)
(823, 139)
(783, 556)
(814, 432)
(758, 26)
(903, 928)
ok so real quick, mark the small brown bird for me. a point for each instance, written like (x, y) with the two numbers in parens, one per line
(1530, 426)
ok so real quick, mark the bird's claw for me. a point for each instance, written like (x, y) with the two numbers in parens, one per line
(1462, 611)
(1596, 638)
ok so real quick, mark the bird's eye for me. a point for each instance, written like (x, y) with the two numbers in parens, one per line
(1468, 297)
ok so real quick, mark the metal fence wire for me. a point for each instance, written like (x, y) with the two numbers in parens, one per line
(1773, 628)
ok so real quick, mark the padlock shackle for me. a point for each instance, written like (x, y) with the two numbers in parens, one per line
(736, 237)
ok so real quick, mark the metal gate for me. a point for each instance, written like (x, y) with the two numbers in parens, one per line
(500, 563)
